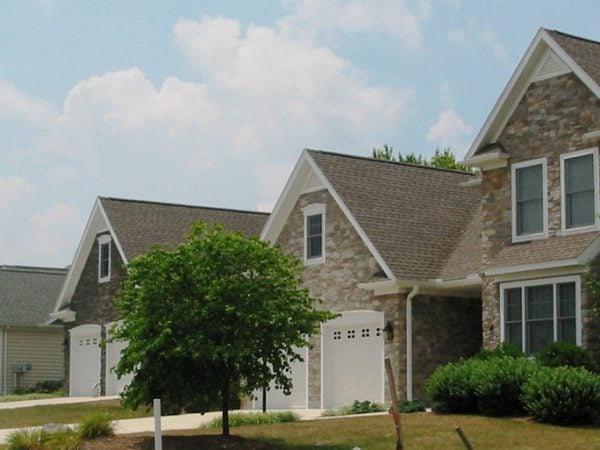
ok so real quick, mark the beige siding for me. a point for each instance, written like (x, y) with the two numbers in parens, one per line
(40, 347)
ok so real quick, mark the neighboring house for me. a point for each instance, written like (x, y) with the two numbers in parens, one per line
(117, 231)
(31, 349)
(538, 153)
(396, 249)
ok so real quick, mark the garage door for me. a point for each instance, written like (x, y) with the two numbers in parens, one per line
(84, 361)
(114, 385)
(298, 398)
(352, 359)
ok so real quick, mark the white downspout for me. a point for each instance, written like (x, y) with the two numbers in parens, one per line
(4, 359)
(409, 365)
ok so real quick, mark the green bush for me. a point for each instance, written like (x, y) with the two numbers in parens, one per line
(411, 406)
(358, 407)
(452, 386)
(241, 419)
(500, 351)
(558, 354)
(27, 439)
(499, 384)
(96, 425)
(563, 395)
(63, 440)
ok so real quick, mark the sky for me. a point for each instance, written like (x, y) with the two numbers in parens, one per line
(211, 102)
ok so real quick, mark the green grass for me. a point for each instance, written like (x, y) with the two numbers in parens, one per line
(260, 418)
(69, 413)
(34, 396)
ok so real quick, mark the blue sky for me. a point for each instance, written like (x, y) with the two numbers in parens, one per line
(211, 102)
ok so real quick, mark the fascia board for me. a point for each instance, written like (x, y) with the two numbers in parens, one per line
(112, 233)
(532, 267)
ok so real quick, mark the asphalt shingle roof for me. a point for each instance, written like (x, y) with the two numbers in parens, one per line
(28, 294)
(415, 216)
(585, 52)
(141, 224)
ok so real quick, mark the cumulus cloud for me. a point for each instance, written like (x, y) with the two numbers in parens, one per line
(14, 190)
(271, 180)
(15, 104)
(449, 131)
(458, 35)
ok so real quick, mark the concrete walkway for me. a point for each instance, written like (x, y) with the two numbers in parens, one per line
(146, 424)
(54, 401)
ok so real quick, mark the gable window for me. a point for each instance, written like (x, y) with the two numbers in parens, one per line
(314, 233)
(535, 313)
(579, 190)
(104, 258)
(529, 200)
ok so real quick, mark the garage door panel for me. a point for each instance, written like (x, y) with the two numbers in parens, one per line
(84, 361)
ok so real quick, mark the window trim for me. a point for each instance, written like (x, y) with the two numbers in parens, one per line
(514, 168)
(313, 210)
(103, 240)
(563, 193)
(539, 282)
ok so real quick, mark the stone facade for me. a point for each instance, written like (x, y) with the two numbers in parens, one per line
(93, 302)
(550, 120)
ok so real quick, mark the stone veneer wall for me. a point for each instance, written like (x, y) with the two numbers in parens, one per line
(348, 262)
(549, 120)
(93, 302)
(444, 330)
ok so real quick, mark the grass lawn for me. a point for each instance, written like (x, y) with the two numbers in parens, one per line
(22, 397)
(69, 413)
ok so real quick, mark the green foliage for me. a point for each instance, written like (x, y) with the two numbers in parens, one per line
(411, 406)
(452, 386)
(27, 439)
(592, 285)
(558, 354)
(42, 387)
(442, 159)
(357, 407)
(215, 319)
(242, 419)
(563, 395)
(499, 384)
(96, 425)
(63, 440)
(500, 351)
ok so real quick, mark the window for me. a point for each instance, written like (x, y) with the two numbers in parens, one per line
(529, 200)
(104, 258)
(314, 233)
(579, 190)
(535, 313)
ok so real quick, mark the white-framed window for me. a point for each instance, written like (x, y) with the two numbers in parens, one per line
(529, 200)
(579, 191)
(104, 258)
(314, 233)
(534, 313)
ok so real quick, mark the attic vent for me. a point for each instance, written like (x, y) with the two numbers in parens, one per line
(550, 66)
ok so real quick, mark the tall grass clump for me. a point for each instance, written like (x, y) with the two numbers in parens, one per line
(96, 425)
(27, 439)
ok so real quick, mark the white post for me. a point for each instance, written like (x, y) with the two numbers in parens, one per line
(157, 430)
(409, 349)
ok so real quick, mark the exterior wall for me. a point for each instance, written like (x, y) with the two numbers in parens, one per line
(550, 120)
(347, 263)
(93, 302)
(42, 348)
(444, 330)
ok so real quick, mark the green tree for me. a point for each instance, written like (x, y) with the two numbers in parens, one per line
(215, 319)
(442, 159)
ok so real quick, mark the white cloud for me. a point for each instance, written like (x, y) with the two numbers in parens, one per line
(489, 38)
(459, 36)
(449, 131)
(15, 104)
(271, 180)
(14, 190)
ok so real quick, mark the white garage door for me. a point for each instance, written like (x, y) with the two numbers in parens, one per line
(114, 385)
(84, 361)
(352, 359)
(298, 398)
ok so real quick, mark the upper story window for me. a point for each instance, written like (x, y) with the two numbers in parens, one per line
(537, 312)
(314, 233)
(104, 258)
(579, 177)
(529, 200)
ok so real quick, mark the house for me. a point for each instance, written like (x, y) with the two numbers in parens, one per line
(117, 231)
(396, 249)
(31, 349)
(538, 156)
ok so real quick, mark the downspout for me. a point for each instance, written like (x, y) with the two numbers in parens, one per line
(4, 359)
(409, 365)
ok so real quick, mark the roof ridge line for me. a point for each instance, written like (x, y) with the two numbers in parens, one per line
(575, 36)
(214, 208)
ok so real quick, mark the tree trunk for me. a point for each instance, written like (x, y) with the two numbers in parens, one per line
(225, 406)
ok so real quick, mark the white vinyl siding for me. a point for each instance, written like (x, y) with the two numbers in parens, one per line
(579, 183)
(529, 200)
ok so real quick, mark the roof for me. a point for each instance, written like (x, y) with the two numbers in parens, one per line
(415, 216)
(28, 294)
(140, 224)
(585, 52)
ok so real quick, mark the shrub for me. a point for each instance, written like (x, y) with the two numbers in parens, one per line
(96, 425)
(27, 439)
(358, 407)
(63, 440)
(563, 395)
(241, 419)
(452, 388)
(48, 386)
(500, 351)
(558, 354)
(499, 384)
(411, 406)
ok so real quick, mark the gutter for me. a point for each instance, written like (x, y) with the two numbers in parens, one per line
(409, 356)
